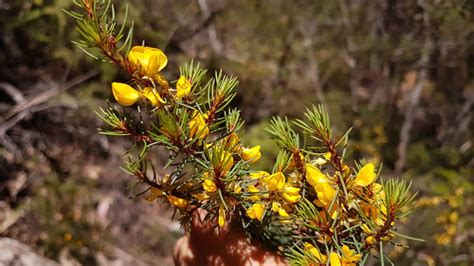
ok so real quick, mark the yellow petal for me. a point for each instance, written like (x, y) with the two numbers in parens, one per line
(275, 181)
(256, 211)
(125, 94)
(275, 206)
(370, 240)
(315, 252)
(291, 194)
(209, 186)
(253, 189)
(147, 60)
(334, 259)
(153, 96)
(178, 202)
(366, 175)
(314, 176)
(198, 127)
(160, 79)
(183, 87)
(325, 192)
(237, 189)
(251, 155)
(259, 174)
(222, 216)
(282, 212)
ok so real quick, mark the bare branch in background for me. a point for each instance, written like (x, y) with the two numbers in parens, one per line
(211, 30)
(414, 97)
(24, 107)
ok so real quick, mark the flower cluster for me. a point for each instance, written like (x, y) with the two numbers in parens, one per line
(313, 206)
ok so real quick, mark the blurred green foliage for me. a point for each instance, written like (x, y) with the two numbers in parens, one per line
(64, 210)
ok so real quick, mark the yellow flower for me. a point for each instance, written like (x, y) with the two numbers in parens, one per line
(276, 207)
(125, 94)
(252, 189)
(370, 240)
(256, 211)
(155, 193)
(314, 251)
(290, 193)
(237, 189)
(231, 142)
(183, 87)
(147, 60)
(152, 95)
(258, 174)
(349, 256)
(314, 176)
(222, 216)
(325, 193)
(366, 175)
(251, 155)
(275, 181)
(198, 127)
(334, 259)
(209, 186)
(178, 202)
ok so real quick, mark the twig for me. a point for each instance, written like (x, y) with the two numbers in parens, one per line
(415, 96)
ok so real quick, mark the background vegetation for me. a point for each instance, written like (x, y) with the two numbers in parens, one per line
(401, 73)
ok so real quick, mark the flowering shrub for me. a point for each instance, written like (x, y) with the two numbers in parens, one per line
(314, 206)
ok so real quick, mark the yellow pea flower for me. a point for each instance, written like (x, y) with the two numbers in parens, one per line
(314, 176)
(256, 211)
(125, 94)
(275, 181)
(198, 127)
(258, 174)
(209, 186)
(325, 193)
(334, 259)
(370, 240)
(183, 87)
(349, 256)
(178, 202)
(155, 193)
(222, 217)
(276, 207)
(366, 175)
(314, 251)
(162, 81)
(290, 193)
(251, 155)
(148, 61)
(253, 189)
(153, 96)
(237, 189)
(231, 142)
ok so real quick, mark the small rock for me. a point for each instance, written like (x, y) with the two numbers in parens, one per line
(13, 252)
